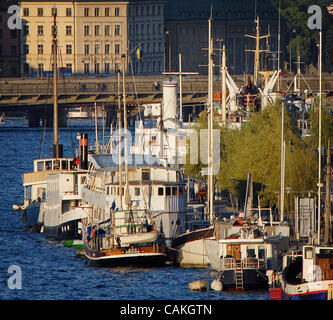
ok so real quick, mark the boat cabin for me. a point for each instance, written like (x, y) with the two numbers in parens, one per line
(317, 263)
(35, 183)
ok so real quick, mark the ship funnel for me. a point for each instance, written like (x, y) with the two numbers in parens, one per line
(84, 151)
(169, 108)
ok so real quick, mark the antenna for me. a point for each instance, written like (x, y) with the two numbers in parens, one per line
(257, 51)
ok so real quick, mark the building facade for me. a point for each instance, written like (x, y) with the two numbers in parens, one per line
(92, 36)
(186, 24)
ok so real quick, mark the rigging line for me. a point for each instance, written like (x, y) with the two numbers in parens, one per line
(134, 84)
(43, 135)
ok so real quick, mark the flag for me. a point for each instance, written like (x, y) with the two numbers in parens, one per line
(139, 53)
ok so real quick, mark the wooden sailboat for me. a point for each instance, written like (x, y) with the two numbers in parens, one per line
(125, 237)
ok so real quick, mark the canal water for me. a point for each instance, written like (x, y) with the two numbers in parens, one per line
(50, 271)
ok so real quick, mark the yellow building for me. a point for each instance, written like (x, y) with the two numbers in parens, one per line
(92, 35)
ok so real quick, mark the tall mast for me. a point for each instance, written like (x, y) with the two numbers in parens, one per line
(319, 140)
(328, 195)
(119, 144)
(127, 198)
(57, 149)
(279, 46)
(224, 86)
(257, 51)
(210, 123)
(282, 164)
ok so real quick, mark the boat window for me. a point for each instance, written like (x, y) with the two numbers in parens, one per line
(174, 191)
(262, 253)
(167, 191)
(251, 252)
(56, 165)
(48, 165)
(160, 191)
(308, 253)
(40, 166)
(145, 175)
(136, 191)
(180, 191)
(64, 165)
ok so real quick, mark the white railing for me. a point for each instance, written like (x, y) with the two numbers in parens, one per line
(246, 263)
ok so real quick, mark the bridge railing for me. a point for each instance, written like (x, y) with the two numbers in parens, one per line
(107, 88)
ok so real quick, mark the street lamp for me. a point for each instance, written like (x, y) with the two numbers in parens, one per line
(167, 32)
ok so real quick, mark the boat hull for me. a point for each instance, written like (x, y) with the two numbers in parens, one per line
(31, 214)
(190, 249)
(126, 260)
(253, 279)
(65, 231)
(318, 295)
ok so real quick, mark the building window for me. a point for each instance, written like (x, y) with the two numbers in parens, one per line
(40, 49)
(117, 48)
(107, 12)
(97, 30)
(116, 12)
(26, 49)
(160, 191)
(86, 30)
(107, 67)
(69, 66)
(86, 49)
(96, 67)
(40, 12)
(117, 29)
(107, 30)
(136, 191)
(40, 30)
(86, 68)
(68, 30)
(107, 49)
(96, 12)
(25, 12)
(97, 48)
(68, 49)
(54, 11)
(86, 12)
(68, 12)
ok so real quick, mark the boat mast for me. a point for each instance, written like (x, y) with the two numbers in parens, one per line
(319, 129)
(127, 197)
(210, 123)
(119, 144)
(328, 195)
(57, 149)
(257, 51)
(224, 87)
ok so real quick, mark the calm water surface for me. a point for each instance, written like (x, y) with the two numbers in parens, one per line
(53, 272)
